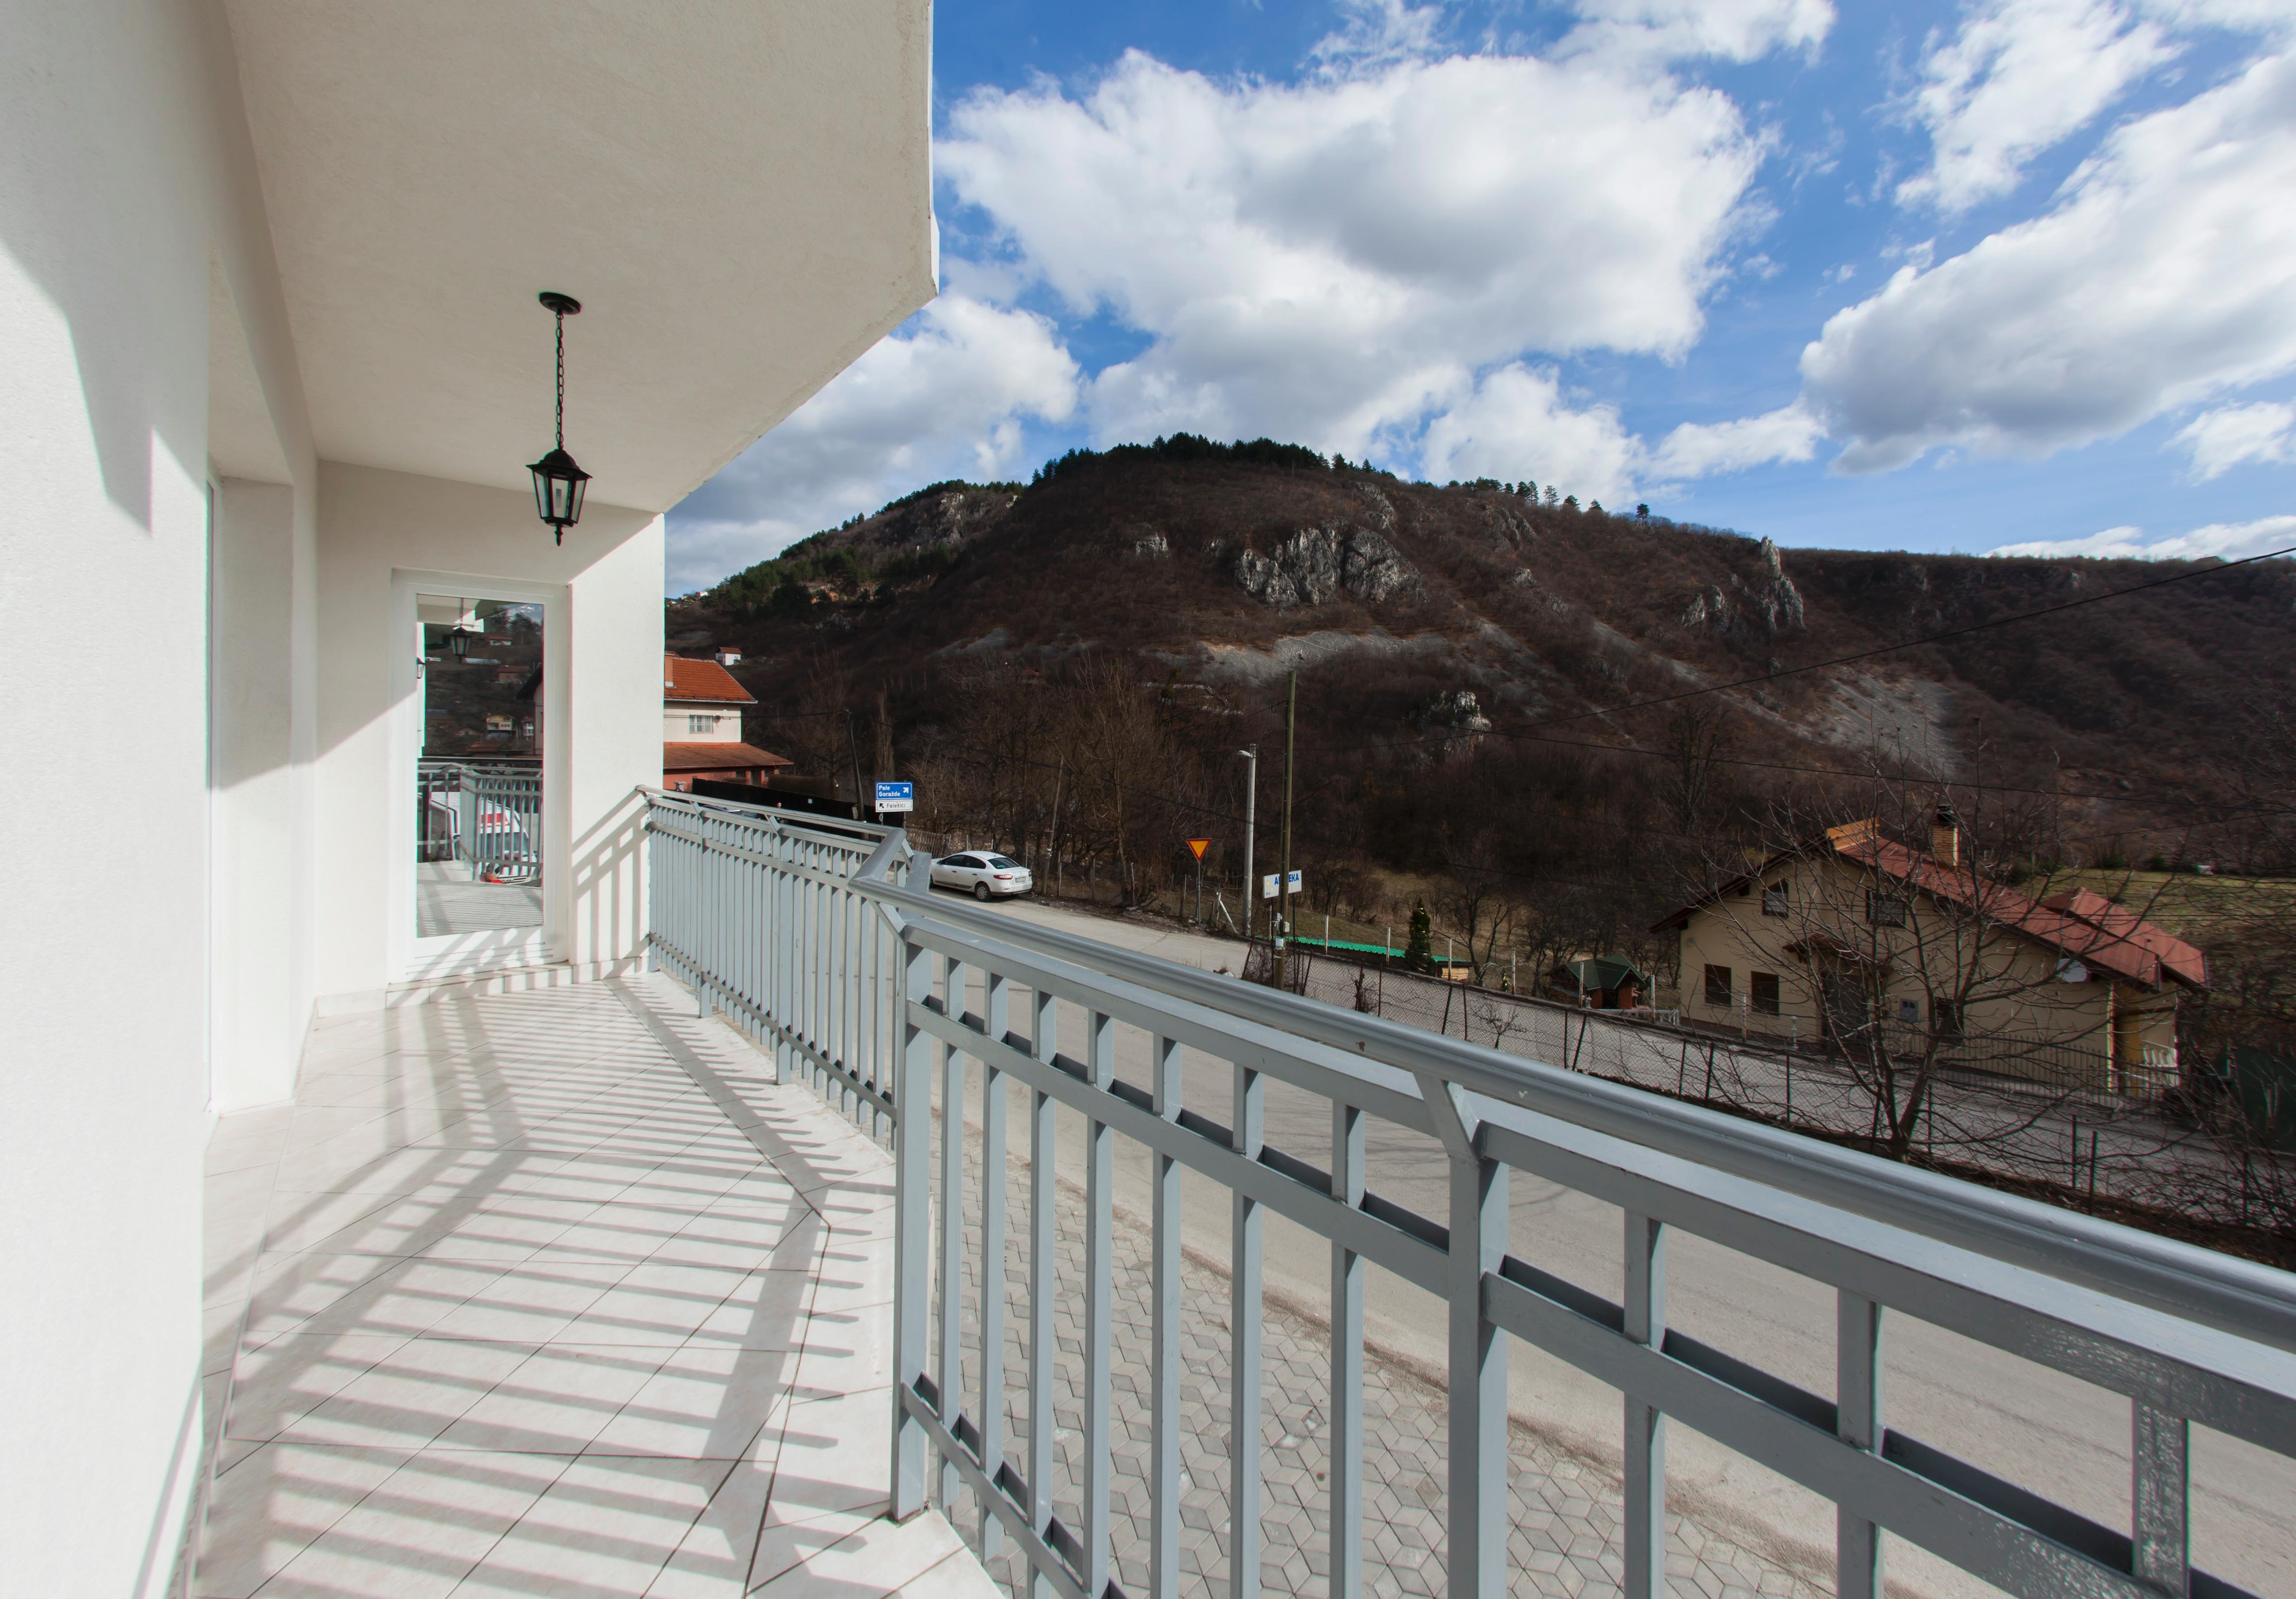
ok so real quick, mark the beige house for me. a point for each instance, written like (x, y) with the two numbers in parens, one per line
(701, 706)
(1855, 938)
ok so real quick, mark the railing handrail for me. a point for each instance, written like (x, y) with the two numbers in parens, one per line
(827, 829)
(2237, 1296)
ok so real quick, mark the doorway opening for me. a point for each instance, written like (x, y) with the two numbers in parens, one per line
(478, 780)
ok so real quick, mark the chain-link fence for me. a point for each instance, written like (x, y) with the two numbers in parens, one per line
(2050, 1114)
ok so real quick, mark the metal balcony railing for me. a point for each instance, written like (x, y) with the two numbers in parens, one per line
(486, 815)
(812, 938)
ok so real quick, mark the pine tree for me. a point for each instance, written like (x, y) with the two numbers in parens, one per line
(1419, 948)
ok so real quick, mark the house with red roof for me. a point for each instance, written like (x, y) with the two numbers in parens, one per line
(702, 707)
(1850, 936)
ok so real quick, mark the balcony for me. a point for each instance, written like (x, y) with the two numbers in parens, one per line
(943, 1252)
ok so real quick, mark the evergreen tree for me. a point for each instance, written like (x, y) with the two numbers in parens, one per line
(1419, 948)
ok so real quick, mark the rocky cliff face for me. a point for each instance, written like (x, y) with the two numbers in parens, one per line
(1771, 606)
(1316, 565)
(949, 516)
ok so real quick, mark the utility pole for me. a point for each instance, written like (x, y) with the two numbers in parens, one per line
(1283, 882)
(1250, 752)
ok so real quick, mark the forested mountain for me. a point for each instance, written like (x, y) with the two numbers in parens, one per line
(1484, 670)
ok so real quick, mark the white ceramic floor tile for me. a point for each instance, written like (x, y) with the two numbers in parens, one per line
(835, 1454)
(605, 1530)
(557, 1402)
(784, 1545)
(410, 1396)
(422, 1530)
(273, 1504)
(881, 1557)
(543, 1296)
(704, 1403)
(276, 1385)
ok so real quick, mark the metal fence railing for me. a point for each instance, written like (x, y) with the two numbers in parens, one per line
(487, 817)
(816, 940)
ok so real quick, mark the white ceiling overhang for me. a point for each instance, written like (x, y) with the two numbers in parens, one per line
(739, 192)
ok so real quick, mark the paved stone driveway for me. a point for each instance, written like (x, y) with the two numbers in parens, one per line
(1566, 1512)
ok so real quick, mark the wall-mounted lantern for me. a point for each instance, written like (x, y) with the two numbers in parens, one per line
(558, 483)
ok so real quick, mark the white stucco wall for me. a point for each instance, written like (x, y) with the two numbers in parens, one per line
(180, 899)
(603, 643)
(259, 920)
(127, 192)
(676, 724)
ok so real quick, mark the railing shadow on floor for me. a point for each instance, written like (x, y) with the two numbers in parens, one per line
(447, 1353)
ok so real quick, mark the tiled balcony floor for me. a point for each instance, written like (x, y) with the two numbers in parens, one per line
(552, 1293)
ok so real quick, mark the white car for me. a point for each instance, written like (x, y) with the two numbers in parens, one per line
(984, 875)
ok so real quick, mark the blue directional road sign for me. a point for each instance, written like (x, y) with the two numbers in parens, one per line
(896, 796)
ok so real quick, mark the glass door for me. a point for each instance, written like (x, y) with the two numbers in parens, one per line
(478, 783)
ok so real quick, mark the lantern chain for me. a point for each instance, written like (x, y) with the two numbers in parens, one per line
(562, 380)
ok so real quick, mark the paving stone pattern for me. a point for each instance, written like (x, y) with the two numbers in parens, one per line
(1564, 1540)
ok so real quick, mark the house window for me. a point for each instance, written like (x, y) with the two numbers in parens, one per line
(1945, 1019)
(702, 723)
(1762, 992)
(1885, 910)
(1717, 986)
(1774, 901)
(1909, 1012)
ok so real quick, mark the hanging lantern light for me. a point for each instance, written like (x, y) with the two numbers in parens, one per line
(558, 483)
(458, 644)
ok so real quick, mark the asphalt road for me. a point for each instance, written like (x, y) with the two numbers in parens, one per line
(2054, 1434)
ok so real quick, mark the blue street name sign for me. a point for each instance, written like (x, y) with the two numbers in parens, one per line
(896, 796)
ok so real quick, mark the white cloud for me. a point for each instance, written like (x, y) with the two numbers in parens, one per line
(1378, 33)
(2225, 438)
(2227, 541)
(1738, 31)
(2018, 77)
(946, 398)
(1694, 449)
(1326, 261)
(2158, 280)
(1515, 417)
(2267, 17)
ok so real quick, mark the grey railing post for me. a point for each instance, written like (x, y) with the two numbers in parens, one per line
(992, 1258)
(1478, 1351)
(1164, 1360)
(1099, 1328)
(1858, 1389)
(1043, 1352)
(911, 1233)
(955, 987)
(1645, 1453)
(2160, 1463)
(1347, 1427)
(1245, 1265)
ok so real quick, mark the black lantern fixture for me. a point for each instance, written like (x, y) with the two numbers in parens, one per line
(458, 642)
(557, 481)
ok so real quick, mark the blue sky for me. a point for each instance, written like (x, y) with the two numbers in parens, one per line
(2012, 274)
